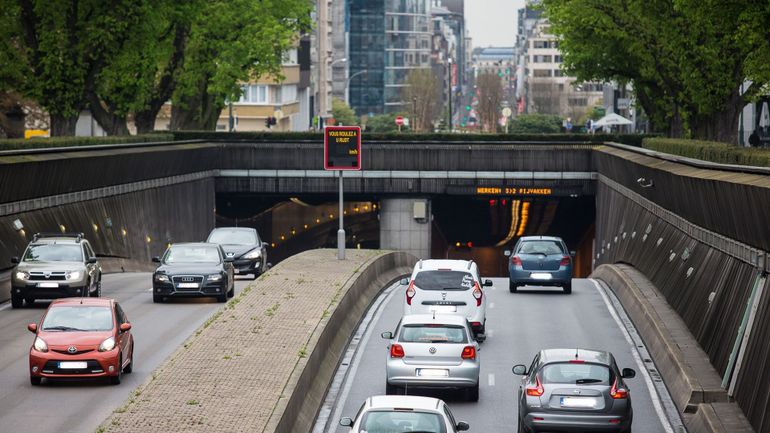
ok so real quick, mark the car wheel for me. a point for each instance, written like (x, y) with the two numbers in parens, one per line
(568, 288)
(130, 367)
(157, 299)
(115, 380)
(512, 287)
(231, 292)
(222, 298)
(17, 301)
(35, 381)
(472, 394)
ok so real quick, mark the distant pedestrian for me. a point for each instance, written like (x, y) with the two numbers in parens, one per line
(754, 139)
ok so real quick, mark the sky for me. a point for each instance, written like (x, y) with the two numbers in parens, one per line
(492, 22)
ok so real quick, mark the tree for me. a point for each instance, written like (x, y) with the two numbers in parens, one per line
(342, 113)
(490, 91)
(52, 51)
(535, 124)
(382, 123)
(686, 59)
(421, 96)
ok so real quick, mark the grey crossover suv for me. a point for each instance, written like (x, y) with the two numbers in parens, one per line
(55, 265)
(540, 261)
(574, 390)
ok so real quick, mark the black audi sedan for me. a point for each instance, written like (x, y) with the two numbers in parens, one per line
(193, 269)
(244, 246)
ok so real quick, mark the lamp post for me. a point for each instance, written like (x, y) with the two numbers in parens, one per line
(347, 84)
(449, 64)
(414, 113)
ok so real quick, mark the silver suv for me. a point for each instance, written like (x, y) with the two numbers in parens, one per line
(55, 265)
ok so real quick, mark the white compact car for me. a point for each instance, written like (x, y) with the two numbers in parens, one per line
(448, 287)
(390, 413)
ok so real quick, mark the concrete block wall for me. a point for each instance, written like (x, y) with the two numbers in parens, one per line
(400, 231)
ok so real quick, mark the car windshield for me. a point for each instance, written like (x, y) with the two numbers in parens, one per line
(444, 280)
(233, 237)
(540, 247)
(576, 373)
(430, 333)
(190, 254)
(78, 318)
(401, 421)
(54, 253)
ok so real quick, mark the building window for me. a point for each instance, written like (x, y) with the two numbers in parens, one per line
(578, 102)
(540, 73)
(557, 73)
(557, 59)
(542, 59)
(253, 94)
(290, 57)
(289, 93)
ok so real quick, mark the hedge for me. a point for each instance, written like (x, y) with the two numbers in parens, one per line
(712, 151)
(43, 143)
(629, 139)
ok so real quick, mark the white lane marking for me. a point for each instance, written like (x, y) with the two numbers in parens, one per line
(5, 306)
(640, 365)
(491, 379)
(491, 305)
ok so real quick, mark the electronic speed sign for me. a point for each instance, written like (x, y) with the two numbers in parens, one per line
(342, 148)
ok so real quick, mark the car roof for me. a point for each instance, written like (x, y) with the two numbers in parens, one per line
(98, 302)
(540, 238)
(564, 355)
(195, 244)
(56, 240)
(440, 319)
(242, 229)
(402, 401)
(437, 264)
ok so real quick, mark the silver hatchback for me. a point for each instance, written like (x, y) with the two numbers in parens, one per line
(433, 351)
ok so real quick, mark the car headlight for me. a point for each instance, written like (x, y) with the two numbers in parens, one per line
(40, 345)
(107, 345)
(253, 254)
(215, 277)
(73, 275)
(22, 276)
(162, 278)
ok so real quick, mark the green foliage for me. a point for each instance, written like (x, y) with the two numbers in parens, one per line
(535, 123)
(383, 123)
(53, 142)
(342, 113)
(710, 151)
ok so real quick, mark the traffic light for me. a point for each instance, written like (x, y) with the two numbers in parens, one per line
(270, 122)
(467, 108)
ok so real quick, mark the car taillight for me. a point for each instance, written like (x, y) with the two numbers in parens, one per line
(469, 352)
(515, 260)
(618, 393)
(410, 292)
(477, 294)
(537, 390)
(564, 261)
(396, 351)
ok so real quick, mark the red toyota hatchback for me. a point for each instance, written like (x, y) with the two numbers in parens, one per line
(81, 338)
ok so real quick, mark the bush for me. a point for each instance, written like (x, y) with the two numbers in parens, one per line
(535, 124)
(43, 143)
(712, 151)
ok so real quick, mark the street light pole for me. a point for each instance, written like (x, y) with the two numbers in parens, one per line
(347, 84)
(449, 63)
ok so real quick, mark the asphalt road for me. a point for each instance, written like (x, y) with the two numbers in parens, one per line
(81, 406)
(518, 325)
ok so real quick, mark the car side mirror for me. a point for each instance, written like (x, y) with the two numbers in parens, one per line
(628, 373)
(520, 369)
(387, 335)
(14, 260)
(32, 327)
(125, 327)
(346, 422)
(91, 260)
(463, 426)
(156, 259)
(404, 281)
(572, 253)
(265, 244)
(507, 253)
(487, 283)
(481, 338)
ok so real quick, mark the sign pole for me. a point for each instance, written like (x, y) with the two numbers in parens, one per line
(341, 231)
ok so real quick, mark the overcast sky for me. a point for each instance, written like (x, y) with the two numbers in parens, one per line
(492, 22)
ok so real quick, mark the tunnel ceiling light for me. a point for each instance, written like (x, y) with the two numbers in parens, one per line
(62, 228)
(524, 218)
(514, 223)
(23, 233)
(96, 227)
(297, 201)
(123, 232)
(305, 226)
(148, 239)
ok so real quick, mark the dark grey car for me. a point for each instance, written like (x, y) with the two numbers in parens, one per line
(574, 390)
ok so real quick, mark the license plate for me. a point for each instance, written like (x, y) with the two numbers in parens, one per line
(236, 271)
(48, 285)
(540, 276)
(187, 285)
(432, 372)
(443, 308)
(73, 365)
(578, 402)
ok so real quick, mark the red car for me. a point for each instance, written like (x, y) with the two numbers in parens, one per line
(81, 338)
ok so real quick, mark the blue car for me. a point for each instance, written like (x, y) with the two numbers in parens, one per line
(540, 261)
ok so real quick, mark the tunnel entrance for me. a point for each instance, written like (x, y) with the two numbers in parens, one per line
(461, 227)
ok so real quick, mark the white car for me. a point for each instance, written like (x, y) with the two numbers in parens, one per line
(389, 413)
(448, 287)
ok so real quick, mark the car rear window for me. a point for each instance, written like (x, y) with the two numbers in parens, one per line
(540, 247)
(575, 373)
(398, 421)
(85, 318)
(430, 333)
(444, 280)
